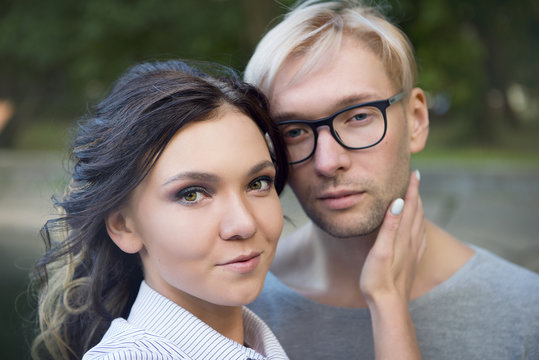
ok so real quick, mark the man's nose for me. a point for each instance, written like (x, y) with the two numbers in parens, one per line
(237, 220)
(330, 157)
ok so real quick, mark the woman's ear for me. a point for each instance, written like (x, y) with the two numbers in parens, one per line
(418, 120)
(121, 231)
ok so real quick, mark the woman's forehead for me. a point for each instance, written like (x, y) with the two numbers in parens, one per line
(230, 140)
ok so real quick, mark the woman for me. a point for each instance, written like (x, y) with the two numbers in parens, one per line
(171, 221)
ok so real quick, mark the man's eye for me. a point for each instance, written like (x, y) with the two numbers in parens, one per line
(362, 116)
(293, 133)
(359, 117)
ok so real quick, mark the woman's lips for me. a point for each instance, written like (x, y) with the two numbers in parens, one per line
(243, 264)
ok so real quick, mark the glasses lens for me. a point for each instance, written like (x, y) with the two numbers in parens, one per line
(360, 127)
(299, 140)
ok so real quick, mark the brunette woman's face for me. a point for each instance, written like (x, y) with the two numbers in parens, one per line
(207, 218)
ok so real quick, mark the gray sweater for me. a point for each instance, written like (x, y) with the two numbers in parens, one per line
(489, 309)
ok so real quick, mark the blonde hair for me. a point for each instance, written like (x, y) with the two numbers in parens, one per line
(314, 29)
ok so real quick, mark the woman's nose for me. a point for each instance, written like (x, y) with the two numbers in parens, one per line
(237, 222)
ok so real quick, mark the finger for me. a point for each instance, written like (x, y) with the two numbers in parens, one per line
(422, 248)
(418, 220)
(418, 239)
(412, 193)
(409, 215)
(418, 226)
(421, 234)
(385, 241)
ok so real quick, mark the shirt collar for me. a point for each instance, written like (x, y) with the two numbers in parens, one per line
(155, 313)
(258, 335)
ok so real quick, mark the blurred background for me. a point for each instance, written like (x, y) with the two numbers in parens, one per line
(477, 63)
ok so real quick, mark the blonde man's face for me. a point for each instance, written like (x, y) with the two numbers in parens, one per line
(345, 192)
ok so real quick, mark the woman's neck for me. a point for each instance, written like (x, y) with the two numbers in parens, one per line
(226, 320)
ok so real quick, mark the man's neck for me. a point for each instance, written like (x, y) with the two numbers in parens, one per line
(327, 269)
(321, 267)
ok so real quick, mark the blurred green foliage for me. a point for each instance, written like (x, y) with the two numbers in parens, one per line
(60, 55)
(482, 55)
(477, 59)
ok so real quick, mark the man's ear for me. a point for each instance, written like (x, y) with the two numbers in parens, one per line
(121, 231)
(418, 120)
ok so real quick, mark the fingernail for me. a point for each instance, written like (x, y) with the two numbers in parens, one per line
(397, 206)
(418, 175)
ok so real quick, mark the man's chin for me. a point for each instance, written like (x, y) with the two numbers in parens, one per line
(340, 227)
(346, 233)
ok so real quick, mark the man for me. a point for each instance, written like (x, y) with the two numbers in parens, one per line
(347, 163)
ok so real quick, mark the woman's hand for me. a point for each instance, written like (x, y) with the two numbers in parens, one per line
(391, 263)
(388, 273)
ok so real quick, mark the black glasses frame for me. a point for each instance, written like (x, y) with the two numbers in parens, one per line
(382, 105)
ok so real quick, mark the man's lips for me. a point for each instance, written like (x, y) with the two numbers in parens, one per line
(340, 199)
(331, 194)
(243, 263)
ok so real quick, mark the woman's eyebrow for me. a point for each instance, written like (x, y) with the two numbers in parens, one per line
(192, 175)
(207, 177)
(261, 166)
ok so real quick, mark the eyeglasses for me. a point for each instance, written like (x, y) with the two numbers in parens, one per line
(355, 127)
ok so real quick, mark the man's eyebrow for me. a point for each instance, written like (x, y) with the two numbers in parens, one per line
(192, 175)
(356, 99)
(336, 106)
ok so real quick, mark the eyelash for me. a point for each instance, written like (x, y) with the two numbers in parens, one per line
(180, 195)
(267, 179)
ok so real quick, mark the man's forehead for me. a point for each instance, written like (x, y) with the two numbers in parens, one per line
(354, 75)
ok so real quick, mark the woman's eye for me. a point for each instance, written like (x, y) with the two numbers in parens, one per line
(261, 184)
(191, 195)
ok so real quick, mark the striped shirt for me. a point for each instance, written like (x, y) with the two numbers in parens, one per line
(159, 329)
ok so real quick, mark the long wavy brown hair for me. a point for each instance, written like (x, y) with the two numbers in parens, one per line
(84, 280)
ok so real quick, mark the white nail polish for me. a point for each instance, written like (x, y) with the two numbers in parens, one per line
(397, 207)
(418, 175)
